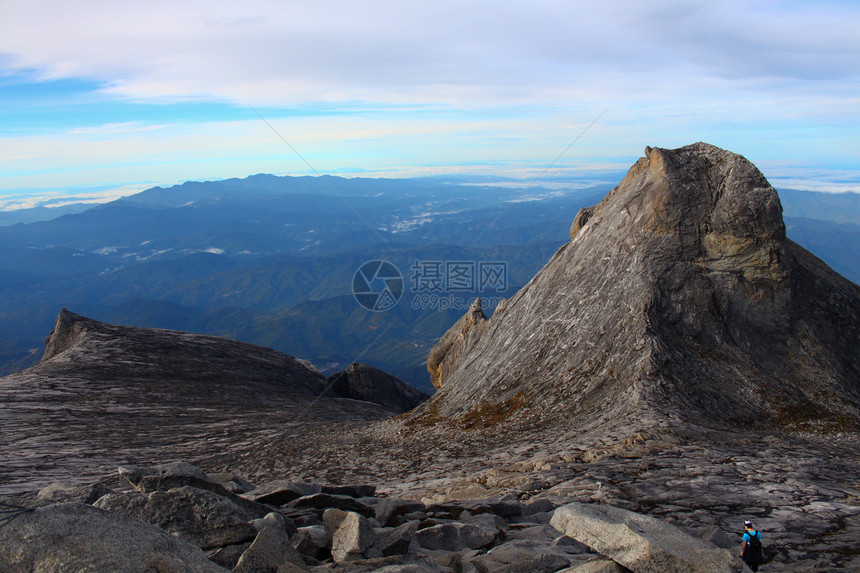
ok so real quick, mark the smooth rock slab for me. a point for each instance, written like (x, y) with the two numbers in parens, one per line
(640, 542)
(78, 537)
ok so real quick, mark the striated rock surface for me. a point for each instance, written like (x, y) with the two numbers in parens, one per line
(456, 341)
(678, 298)
(364, 382)
(105, 395)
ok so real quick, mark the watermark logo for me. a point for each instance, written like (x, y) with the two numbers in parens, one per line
(377, 285)
(442, 285)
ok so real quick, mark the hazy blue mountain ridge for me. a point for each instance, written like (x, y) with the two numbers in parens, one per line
(270, 260)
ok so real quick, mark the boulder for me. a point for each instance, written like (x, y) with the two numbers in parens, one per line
(396, 540)
(193, 515)
(364, 382)
(59, 492)
(641, 543)
(228, 555)
(168, 476)
(78, 537)
(181, 474)
(456, 536)
(312, 541)
(390, 507)
(281, 492)
(541, 505)
(326, 500)
(270, 550)
(597, 565)
(351, 490)
(521, 557)
(351, 534)
(232, 482)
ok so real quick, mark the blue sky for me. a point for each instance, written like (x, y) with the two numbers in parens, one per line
(102, 98)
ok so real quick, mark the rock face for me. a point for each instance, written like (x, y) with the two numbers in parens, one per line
(168, 356)
(364, 382)
(678, 298)
(459, 338)
(106, 394)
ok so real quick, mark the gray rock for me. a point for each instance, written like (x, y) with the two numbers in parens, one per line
(640, 542)
(228, 555)
(167, 476)
(364, 382)
(678, 298)
(232, 482)
(720, 538)
(270, 550)
(597, 565)
(454, 343)
(78, 537)
(281, 492)
(326, 500)
(541, 505)
(351, 490)
(500, 507)
(352, 535)
(194, 515)
(389, 507)
(312, 541)
(521, 556)
(182, 474)
(456, 536)
(396, 540)
(58, 492)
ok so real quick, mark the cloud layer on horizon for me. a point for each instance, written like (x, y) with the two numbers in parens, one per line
(444, 81)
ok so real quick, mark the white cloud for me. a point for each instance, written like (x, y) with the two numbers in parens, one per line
(421, 87)
(466, 53)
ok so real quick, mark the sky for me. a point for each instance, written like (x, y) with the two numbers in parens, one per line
(100, 98)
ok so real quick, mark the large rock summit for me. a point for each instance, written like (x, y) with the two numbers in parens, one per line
(104, 394)
(677, 298)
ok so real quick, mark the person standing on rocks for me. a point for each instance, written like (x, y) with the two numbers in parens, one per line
(751, 550)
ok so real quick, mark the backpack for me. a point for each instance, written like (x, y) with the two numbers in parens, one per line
(753, 553)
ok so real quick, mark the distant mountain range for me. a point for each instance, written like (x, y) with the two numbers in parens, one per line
(270, 260)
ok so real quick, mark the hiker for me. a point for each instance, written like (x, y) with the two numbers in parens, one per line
(751, 551)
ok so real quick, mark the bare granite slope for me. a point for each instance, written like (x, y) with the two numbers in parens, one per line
(105, 395)
(678, 298)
